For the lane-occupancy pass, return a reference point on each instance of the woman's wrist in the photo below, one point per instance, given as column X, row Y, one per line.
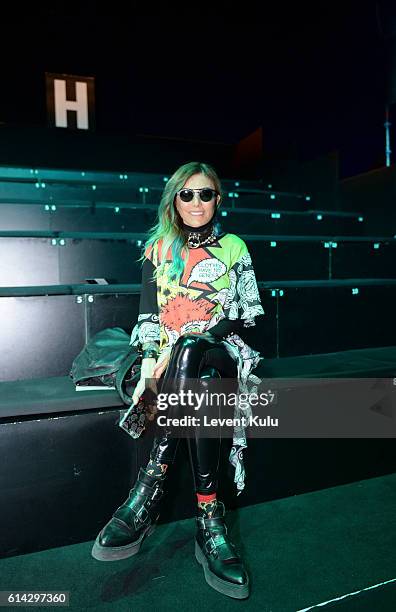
column 149, row 354
column 150, row 350
column 148, row 365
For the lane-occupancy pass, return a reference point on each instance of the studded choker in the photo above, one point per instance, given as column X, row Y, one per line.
column 199, row 236
column 194, row 239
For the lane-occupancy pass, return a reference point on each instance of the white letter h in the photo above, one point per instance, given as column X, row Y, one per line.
column 62, row 105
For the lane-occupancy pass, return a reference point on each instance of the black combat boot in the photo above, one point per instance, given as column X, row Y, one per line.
column 133, row 521
column 222, row 566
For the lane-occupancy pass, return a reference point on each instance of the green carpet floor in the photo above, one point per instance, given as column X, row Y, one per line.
column 300, row 551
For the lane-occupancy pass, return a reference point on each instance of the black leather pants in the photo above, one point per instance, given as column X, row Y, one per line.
column 194, row 356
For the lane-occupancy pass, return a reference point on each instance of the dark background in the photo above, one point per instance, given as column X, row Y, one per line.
column 316, row 78
column 169, row 86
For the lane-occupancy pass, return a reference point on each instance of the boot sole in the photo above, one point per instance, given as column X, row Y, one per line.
column 116, row 553
column 237, row 591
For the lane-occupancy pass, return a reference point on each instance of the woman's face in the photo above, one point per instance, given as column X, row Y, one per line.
column 196, row 212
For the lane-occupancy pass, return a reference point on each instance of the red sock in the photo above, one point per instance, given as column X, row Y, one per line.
column 206, row 498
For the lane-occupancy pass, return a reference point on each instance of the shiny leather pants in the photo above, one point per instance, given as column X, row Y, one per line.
column 204, row 357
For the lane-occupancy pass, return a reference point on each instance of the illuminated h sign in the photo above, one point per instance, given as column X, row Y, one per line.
column 70, row 101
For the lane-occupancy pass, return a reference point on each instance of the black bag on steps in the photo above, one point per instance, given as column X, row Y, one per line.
column 108, row 361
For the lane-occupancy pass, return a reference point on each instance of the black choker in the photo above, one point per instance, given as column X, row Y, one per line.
column 194, row 239
column 198, row 236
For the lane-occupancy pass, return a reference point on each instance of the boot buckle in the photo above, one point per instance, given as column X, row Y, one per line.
column 202, row 524
column 141, row 516
column 210, row 546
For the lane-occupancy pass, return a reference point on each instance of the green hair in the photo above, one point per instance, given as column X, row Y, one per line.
column 168, row 226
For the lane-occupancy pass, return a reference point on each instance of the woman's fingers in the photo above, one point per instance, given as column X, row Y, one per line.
column 160, row 367
column 150, row 375
column 158, row 371
column 138, row 391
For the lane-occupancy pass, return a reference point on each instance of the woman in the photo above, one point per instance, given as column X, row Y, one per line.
column 199, row 297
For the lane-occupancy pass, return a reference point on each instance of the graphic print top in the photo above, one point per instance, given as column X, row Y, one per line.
column 218, row 284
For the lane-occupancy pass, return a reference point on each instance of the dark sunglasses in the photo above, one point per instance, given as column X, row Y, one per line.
column 205, row 194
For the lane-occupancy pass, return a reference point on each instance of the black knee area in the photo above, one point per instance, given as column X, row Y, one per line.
column 189, row 339
column 188, row 354
column 193, row 343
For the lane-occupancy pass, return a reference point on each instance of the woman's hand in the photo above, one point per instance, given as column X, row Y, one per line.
column 139, row 390
column 161, row 365
column 146, row 372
